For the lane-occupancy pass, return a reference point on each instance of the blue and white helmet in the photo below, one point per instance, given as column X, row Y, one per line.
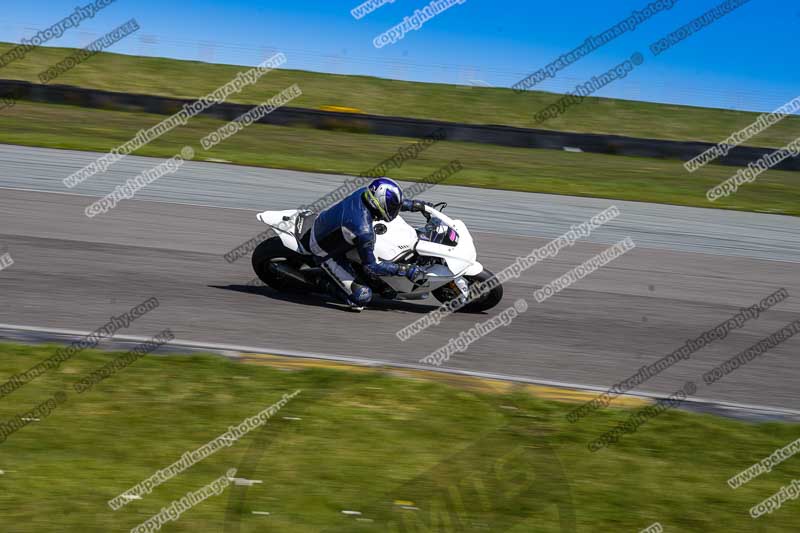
column 384, row 198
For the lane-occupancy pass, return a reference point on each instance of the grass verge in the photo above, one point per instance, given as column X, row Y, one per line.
column 474, row 105
column 487, row 166
column 409, row 451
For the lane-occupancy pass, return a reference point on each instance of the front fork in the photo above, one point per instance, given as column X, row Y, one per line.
column 462, row 286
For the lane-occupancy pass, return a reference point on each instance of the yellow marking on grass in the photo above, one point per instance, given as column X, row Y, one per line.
column 477, row 384
column 294, row 363
column 340, row 109
column 495, row 386
column 580, row 396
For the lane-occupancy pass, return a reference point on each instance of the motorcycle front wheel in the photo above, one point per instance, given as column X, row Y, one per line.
column 482, row 303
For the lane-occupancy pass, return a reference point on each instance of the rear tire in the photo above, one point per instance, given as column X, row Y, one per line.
column 270, row 251
column 483, row 303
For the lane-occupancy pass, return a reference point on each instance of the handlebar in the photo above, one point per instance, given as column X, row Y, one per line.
column 436, row 207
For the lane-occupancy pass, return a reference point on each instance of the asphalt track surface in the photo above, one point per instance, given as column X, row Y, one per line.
column 692, row 269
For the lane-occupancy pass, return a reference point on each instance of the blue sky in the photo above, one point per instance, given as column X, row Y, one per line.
column 746, row 60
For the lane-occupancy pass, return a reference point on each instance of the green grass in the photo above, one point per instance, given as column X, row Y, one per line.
column 518, row 169
column 363, row 441
column 479, row 105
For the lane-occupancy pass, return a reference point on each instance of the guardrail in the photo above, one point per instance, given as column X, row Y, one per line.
column 397, row 126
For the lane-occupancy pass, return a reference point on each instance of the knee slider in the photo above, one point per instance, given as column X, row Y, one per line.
column 361, row 295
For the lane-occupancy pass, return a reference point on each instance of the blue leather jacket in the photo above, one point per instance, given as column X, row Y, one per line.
column 347, row 225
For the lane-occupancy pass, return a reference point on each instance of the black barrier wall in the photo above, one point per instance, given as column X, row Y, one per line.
column 398, row 126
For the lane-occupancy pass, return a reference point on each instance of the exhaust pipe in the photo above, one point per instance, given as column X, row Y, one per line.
column 289, row 272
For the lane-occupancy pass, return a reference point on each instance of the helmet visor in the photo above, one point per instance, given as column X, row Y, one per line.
column 393, row 204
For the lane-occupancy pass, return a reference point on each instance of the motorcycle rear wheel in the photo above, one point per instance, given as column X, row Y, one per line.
column 272, row 251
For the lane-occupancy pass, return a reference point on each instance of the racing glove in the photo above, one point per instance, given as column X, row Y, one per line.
column 419, row 205
column 412, row 272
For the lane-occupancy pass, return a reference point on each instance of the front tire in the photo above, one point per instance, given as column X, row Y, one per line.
column 272, row 251
column 482, row 303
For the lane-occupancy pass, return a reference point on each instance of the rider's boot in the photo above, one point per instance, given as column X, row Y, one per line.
column 355, row 301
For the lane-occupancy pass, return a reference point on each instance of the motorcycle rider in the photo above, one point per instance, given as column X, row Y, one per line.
column 347, row 225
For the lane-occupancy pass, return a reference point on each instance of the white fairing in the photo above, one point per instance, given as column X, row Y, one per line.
column 460, row 257
column 399, row 239
column 284, row 228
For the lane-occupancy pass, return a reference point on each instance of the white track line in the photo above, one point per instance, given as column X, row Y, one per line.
column 226, row 349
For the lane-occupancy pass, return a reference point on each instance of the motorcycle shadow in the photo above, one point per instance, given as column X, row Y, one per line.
column 326, row 301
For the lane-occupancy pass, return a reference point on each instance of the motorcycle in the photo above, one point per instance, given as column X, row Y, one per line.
column 443, row 249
